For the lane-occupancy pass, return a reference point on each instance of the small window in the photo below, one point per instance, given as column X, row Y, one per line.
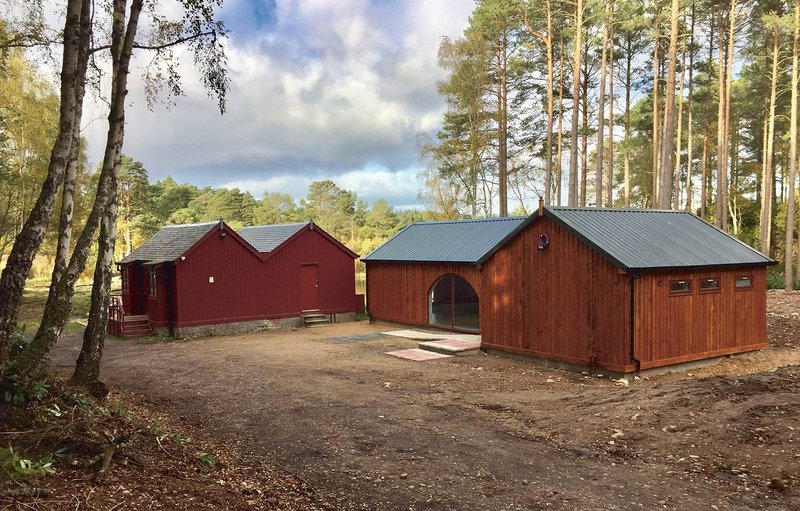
column 124, row 276
column 153, row 289
column 709, row 285
column 744, row 282
column 680, row 287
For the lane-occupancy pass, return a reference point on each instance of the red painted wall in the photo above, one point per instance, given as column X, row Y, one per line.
column 247, row 288
column 398, row 292
column 565, row 302
column 671, row 329
column 570, row 304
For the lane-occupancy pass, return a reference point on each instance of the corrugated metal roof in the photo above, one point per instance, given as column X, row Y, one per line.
column 639, row 239
column 456, row 241
column 265, row 238
column 171, row 242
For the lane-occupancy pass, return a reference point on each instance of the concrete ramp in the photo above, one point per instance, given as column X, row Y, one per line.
column 433, row 336
column 417, row 355
column 452, row 346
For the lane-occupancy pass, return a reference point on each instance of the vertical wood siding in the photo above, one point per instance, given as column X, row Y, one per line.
column 398, row 292
column 246, row 288
column 157, row 308
column 565, row 302
column 674, row 329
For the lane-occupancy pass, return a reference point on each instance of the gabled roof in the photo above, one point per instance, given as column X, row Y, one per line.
column 265, row 238
column 171, row 242
column 631, row 239
column 642, row 239
column 455, row 241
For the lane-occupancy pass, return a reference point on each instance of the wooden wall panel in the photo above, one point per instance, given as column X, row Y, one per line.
column 246, row 288
column 398, row 292
column 673, row 329
column 565, row 302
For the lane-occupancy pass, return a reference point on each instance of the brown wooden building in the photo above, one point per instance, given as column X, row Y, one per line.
column 622, row 290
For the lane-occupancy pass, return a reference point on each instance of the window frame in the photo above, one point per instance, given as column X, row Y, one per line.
column 451, row 282
column 686, row 292
column 743, row 288
column 153, row 283
column 717, row 289
column 123, row 274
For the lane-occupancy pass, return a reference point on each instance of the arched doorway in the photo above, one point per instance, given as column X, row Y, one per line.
column 453, row 303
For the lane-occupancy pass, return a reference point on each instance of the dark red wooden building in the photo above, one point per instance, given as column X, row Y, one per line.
column 208, row 278
column 622, row 290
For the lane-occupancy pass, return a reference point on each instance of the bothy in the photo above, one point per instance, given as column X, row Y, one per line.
column 622, row 290
column 208, row 278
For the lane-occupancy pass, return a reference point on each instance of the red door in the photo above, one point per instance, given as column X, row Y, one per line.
column 309, row 287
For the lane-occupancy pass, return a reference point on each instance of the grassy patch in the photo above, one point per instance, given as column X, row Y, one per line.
column 775, row 278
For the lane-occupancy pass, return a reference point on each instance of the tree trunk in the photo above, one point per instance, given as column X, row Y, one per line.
column 610, row 166
column 656, row 123
column 679, row 136
column 59, row 302
column 560, row 137
column 601, row 111
column 766, row 178
column 572, row 199
column 704, row 174
column 728, row 80
column 502, row 129
column 628, row 79
column 690, row 127
column 667, row 139
column 789, row 284
column 549, row 143
column 87, row 368
column 29, row 240
column 68, row 200
column 721, row 206
column 585, row 124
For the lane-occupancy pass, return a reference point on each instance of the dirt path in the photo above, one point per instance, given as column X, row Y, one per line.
column 369, row 431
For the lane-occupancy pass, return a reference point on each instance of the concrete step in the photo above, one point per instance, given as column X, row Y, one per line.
column 451, row 347
column 316, row 319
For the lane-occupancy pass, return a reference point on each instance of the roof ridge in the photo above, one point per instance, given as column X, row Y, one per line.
column 619, row 210
column 274, row 225
column 468, row 220
column 198, row 224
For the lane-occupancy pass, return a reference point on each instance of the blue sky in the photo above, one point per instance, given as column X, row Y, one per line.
column 321, row 89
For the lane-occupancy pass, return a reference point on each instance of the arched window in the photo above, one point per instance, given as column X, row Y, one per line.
column 454, row 304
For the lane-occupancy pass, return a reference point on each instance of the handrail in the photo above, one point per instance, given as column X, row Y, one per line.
column 116, row 316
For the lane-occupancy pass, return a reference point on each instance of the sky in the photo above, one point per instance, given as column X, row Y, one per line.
column 320, row 89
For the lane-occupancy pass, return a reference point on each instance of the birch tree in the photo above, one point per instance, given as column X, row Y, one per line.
column 29, row 240
column 201, row 33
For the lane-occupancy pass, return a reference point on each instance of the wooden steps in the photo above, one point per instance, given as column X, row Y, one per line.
column 136, row 326
column 316, row 320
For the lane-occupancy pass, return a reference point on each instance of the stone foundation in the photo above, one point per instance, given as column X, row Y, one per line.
column 342, row 317
column 245, row 327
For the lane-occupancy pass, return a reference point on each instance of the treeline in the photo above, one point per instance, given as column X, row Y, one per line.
column 144, row 208
column 678, row 104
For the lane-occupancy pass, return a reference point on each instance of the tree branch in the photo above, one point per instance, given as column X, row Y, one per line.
column 158, row 47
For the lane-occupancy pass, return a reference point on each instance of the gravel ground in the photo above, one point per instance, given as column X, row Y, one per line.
column 362, row 430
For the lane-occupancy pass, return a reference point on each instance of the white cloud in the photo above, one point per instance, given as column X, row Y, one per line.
column 320, row 89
